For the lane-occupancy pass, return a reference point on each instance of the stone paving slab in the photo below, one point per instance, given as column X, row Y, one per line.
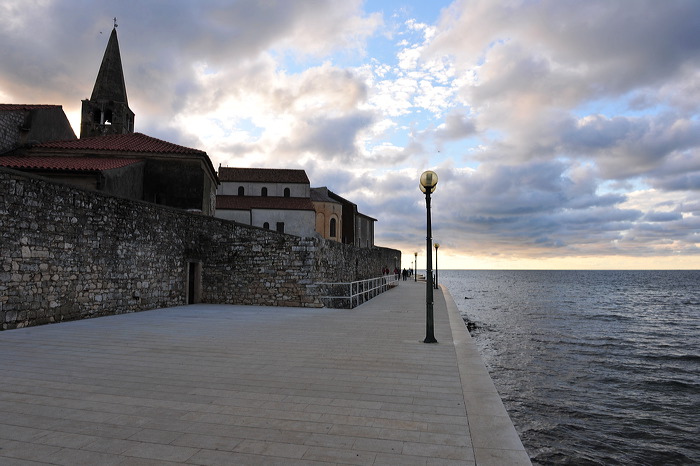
column 220, row 384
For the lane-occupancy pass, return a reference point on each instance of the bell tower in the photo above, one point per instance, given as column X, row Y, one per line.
column 107, row 111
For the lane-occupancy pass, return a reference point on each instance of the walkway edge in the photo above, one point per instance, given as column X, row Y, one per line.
column 494, row 438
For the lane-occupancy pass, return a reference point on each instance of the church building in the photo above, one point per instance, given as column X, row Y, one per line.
column 109, row 156
column 271, row 198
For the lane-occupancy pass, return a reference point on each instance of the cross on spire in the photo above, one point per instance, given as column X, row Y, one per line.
column 115, row 22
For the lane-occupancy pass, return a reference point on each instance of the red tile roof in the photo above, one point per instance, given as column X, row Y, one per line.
column 134, row 142
column 263, row 175
column 88, row 164
column 14, row 107
column 259, row 202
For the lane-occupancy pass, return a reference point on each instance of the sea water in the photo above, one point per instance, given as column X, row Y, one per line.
column 594, row 367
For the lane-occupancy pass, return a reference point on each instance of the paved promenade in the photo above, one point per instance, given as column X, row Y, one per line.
column 238, row 385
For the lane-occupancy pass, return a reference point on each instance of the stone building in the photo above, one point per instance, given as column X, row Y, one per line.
column 109, row 156
column 282, row 200
column 357, row 228
column 135, row 165
column 22, row 125
column 329, row 214
column 270, row 198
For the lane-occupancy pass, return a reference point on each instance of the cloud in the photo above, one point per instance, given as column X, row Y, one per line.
column 457, row 126
column 558, row 128
column 635, row 146
column 330, row 138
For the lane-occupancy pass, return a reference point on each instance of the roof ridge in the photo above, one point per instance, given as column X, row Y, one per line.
column 27, row 106
column 70, row 163
column 263, row 175
column 130, row 142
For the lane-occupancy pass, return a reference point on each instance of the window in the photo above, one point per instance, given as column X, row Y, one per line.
column 241, row 191
column 280, row 227
column 287, row 193
column 333, row 227
column 263, row 192
column 266, row 225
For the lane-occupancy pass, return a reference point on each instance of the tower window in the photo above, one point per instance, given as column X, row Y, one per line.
column 333, row 228
column 287, row 192
column 241, row 191
column 263, row 192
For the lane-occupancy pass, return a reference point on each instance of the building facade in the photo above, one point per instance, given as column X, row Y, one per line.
column 357, row 228
column 329, row 214
column 274, row 199
column 22, row 125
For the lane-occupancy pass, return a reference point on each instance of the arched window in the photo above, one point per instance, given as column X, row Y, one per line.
column 266, row 225
column 333, row 228
column 241, row 191
column 287, row 192
column 263, row 192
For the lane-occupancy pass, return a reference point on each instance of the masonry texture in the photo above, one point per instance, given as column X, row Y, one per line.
column 70, row 254
column 10, row 124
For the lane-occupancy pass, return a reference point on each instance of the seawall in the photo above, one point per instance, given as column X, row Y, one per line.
column 69, row 253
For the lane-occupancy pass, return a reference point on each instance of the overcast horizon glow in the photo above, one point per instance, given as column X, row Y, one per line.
column 565, row 134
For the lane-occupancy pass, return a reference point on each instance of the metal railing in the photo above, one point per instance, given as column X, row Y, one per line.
column 349, row 295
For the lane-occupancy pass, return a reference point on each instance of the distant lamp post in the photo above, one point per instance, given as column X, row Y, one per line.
column 437, row 245
column 415, row 267
column 428, row 181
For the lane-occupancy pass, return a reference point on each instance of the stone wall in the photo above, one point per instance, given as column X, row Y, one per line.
column 69, row 254
column 10, row 123
column 32, row 123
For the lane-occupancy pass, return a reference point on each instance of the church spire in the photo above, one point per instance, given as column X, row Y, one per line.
column 107, row 111
column 110, row 83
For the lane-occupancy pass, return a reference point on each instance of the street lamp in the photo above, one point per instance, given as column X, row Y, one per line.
column 428, row 181
column 415, row 267
column 437, row 245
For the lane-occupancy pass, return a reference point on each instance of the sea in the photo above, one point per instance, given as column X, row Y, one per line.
column 594, row 367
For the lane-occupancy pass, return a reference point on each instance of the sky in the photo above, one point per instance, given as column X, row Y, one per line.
column 565, row 134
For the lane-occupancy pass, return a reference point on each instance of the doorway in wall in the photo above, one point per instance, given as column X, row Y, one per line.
column 194, row 282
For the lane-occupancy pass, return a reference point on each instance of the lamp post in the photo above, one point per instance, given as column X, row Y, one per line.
column 437, row 245
column 415, row 267
column 428, row 181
